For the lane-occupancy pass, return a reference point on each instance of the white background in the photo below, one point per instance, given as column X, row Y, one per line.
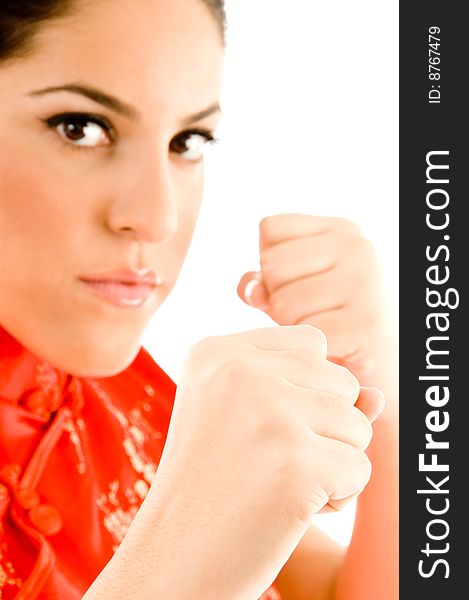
column 310, row 125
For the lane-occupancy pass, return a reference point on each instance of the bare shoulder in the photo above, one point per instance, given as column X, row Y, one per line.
column 310, row 572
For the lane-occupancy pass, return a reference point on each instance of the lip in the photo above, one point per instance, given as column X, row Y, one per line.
column 126, row 288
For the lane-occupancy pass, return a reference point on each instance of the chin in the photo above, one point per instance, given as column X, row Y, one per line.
column 82, row 347
column 103, row 364
column 91, row 358
column 100, row 349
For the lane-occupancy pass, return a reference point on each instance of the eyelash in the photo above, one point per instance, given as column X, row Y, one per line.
column 84, row 118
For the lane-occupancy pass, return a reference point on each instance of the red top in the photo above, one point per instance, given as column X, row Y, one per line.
column 77, row 457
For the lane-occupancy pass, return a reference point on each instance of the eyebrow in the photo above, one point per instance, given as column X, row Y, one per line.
column 117, row 105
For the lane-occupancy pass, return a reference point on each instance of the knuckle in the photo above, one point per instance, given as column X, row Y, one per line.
column 201, row 356
column 198, row 352
column 350, row 459
column 279, row 309
column 355, row 461
column 276, row 304
column 365, row 469
column 265, row 220
column 265, row 260
column 347, row 224
column 317, row 336
column 354, row 384
column 283, row 441
column 350, row 382
column 232, row 369
column 333, row 406
column 303, row 362
column 265, row 428
column 217, row 358
column 362, row 248
column 290, row 466
column 358, row 428
column 267, row 223
column 265, row 266
column 271, row 278
column 363, row 429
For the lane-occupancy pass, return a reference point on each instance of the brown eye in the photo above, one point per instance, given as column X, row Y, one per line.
column 81, row 130
column 73, row 131
column 191, row 144
column 89, row 134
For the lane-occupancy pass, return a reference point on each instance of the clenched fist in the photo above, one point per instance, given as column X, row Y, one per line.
column 265, row 432
column 324, row 272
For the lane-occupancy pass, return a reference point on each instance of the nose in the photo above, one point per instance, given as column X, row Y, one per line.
column 144, row 207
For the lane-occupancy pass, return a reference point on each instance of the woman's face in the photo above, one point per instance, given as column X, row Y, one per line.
column 93, row 186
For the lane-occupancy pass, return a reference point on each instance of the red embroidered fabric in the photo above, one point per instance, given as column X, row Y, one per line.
column 77, row 457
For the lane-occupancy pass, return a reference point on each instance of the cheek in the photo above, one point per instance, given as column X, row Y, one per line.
column 35, row 219
column 23, row 198
column 189, row 208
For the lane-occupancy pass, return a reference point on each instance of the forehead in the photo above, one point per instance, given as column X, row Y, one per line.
column 151, row 53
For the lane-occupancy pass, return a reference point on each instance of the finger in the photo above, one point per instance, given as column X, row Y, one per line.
column 371, row 402
column 279, row 228
column 305, row 298
column 251, row 290
column 331, row 416
column 346, row 329
column 302, row 338
column 290, row 260
column 315, row 375
column 341, row 470
column 337, row 505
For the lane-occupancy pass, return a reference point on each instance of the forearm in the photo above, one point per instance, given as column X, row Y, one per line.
column 136, row 571
column 370, row 567
column 158, row 559
column 172, row 550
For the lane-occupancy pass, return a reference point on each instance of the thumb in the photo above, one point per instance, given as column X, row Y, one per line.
column 370, row 402
column 252, row 290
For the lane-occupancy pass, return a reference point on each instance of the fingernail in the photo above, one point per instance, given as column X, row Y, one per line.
column 249, row 290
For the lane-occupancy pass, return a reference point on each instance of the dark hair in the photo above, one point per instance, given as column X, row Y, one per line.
column 20, row 21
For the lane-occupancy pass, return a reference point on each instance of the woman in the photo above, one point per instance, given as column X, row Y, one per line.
column 111, row 480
